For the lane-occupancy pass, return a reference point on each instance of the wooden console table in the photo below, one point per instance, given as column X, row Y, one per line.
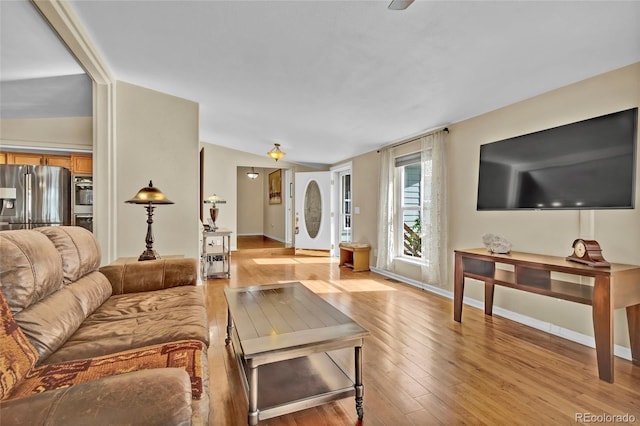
column 615, row 287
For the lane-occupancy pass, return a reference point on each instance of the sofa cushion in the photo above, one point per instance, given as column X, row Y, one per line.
column 139, row 398
column 30, row 268
column 78, row 248
column 186, row 355
column 17, row 356
column 136, row 320
column 150, row 275
column 51, row 321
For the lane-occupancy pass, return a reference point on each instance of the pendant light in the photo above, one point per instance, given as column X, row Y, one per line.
column 252, row 174
column 275, row 153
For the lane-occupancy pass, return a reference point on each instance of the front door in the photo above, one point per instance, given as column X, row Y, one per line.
column 313, row 211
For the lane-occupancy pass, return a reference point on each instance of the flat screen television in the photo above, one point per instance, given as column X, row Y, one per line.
column 589, row 164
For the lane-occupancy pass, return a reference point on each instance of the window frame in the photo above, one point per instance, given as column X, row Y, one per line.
column 345, row 199
column 401, row 207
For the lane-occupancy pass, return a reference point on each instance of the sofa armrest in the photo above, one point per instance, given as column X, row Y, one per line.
column 134, row 277
column 148, row 397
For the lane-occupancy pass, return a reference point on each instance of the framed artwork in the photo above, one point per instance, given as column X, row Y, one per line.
column 275, row 187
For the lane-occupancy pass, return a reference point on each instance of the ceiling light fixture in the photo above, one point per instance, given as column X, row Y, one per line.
column 275, row 153
column 400, row 4
column 252, row 174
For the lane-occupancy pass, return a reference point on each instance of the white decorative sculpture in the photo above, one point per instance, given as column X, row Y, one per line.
column 496, row 244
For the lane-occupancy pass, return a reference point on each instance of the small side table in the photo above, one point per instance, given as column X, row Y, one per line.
column 208, row 259
column 354, row 256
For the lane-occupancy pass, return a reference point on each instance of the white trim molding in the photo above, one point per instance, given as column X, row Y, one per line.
column 342, row 167
column 67, row 25
column 574, row 336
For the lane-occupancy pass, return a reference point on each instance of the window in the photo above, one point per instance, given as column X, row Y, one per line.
column 345, row 207
column 412, row 219
column 409, row 212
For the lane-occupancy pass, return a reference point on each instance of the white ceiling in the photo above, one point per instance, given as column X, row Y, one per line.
column 30, row 49
column 333, row 79
column 39, row 77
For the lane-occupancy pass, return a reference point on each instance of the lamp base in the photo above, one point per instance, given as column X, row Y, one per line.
column 213, row 212
column 149, row 255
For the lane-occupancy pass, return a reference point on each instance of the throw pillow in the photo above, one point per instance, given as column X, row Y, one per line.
column 17, row 356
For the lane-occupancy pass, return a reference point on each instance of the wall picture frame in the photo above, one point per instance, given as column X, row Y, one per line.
column 275, row 187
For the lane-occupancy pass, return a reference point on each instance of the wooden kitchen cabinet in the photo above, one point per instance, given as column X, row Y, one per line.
column 27, row 158
column 82, row 164
column 58, row 160
column 79, row 164
column 35, row 159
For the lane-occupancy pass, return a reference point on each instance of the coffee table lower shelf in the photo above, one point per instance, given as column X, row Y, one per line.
column 288, row 343
column 297, row 384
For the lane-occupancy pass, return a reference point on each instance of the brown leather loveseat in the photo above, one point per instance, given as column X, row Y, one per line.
column 123, row 344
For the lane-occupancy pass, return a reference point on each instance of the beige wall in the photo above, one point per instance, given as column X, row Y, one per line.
column 548, row 232
column 63, row 133
column 251, row 195
column 157, row 138
column 364, row 174
column 274, row 214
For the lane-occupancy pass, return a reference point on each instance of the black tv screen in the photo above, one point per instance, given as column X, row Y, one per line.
column 589, row 164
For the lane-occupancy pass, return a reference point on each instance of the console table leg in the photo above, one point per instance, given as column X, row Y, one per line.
column 229, row 328
column 488, row 298
column 458, row 289
column 633, row 320
column 358, row 385
column 253, row 396
column 603, row 327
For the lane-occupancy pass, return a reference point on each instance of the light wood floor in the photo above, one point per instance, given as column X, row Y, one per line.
column 420, row 366
column 249, row 242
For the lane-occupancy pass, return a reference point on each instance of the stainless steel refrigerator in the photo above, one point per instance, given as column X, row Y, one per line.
column 34, row 196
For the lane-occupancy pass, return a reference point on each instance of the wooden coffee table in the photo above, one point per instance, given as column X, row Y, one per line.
column 281, row 335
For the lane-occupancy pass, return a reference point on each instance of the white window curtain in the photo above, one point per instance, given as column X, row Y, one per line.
column 433, row 212
column 386, row 227
column 434, row 204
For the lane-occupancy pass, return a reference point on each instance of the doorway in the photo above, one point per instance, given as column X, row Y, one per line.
column 314, row 205
column 263, row 212
column 324, row 209
column 343, row 198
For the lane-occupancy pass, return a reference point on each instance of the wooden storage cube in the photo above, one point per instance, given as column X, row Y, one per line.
column 355, row 256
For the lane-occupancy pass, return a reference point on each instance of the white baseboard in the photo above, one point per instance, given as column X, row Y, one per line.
column 259, row 234
column 565, row 333
column 433, row 289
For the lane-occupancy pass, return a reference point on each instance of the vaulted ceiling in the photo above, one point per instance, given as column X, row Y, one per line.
column 333, row 79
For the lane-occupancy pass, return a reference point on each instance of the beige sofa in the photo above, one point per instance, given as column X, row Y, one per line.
column 124, row 344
